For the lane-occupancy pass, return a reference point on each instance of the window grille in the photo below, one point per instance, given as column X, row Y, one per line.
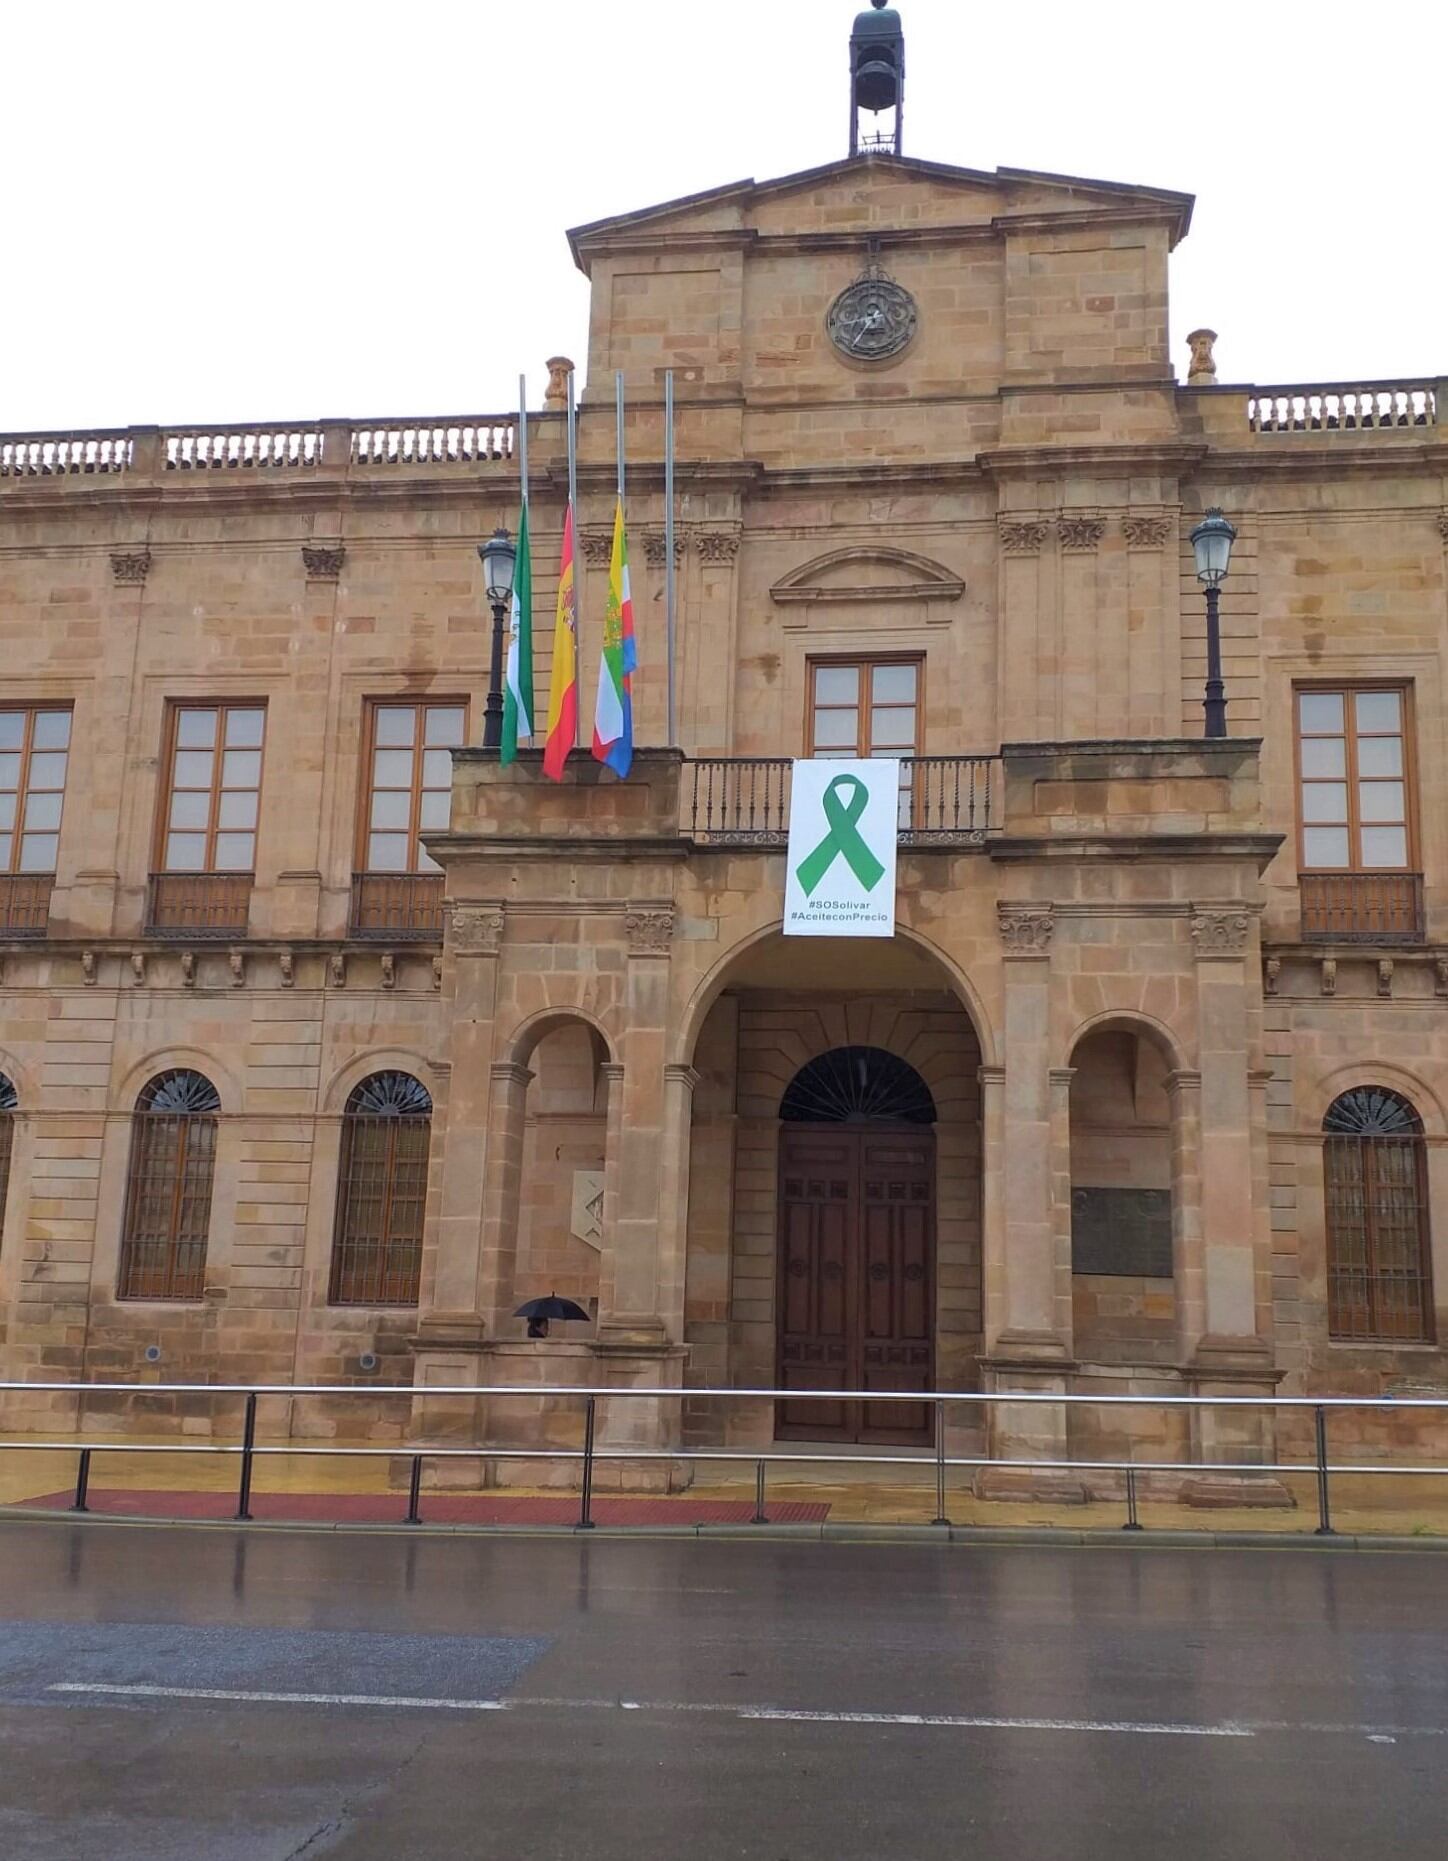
column 1375, row 1169
column 168, row 1188
column 382, row 1192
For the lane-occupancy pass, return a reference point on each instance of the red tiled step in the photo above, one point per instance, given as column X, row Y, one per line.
column 437, row 1508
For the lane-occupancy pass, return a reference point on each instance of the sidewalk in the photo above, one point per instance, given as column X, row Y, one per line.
column 1397, row 1505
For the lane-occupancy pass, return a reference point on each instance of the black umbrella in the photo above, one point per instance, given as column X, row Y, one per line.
column 539, row 1311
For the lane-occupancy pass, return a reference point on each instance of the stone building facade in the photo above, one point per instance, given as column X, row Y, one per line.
column 313, row 1076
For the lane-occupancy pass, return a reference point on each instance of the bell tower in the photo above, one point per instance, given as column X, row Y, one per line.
column 877, row 79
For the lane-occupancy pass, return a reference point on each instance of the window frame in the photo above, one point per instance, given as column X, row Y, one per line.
column 371, row 709
column 149, row 1128
column 865, row 663
column 221, row 706
column 1372, row 1179
column 31, row 708
column 360, row 1270
column 1349, row 689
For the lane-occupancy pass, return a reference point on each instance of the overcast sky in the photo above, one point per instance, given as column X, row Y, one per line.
column 294, row 208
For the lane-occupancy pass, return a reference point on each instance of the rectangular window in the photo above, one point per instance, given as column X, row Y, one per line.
column 1354, row 764
column 408, row 781
column 34, row 751
column 213, row 788
column 867, row 707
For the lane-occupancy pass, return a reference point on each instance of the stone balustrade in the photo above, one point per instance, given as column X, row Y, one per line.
column 267, row 448
column 1369, row 406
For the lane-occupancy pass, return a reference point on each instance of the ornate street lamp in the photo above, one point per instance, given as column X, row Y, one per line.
column 1212, row 542
column 498, row 557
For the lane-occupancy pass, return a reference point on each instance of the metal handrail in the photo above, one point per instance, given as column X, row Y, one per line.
column 248, row 1450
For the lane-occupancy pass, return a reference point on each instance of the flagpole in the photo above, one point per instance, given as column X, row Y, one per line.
column 523, row 433
column 573, row 509
column 618, row 399
column 669, row 577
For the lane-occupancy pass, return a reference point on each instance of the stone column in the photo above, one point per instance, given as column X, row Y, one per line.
column 674, row 1160
column 1027, row 1344
column 502, row 1191
column 1230, row 1356
column 646, row 1185
column 452, row 1327
column 634, row 1314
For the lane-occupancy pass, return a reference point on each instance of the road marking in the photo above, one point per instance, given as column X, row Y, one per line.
column 998, row 1725
column 276, row 1699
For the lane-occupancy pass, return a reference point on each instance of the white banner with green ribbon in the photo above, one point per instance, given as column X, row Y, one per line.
column 844, row 821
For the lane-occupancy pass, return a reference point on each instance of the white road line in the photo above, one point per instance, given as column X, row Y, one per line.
column 275, row 1699
column 998, row 1725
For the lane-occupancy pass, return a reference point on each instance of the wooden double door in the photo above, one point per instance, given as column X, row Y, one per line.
column 855, row 1306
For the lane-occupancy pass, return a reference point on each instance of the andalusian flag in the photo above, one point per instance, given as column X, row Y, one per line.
column 518, row 680
column 613, row 717
column 563, row 690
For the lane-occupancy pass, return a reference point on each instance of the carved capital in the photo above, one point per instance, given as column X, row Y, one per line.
column 1080, row 534
column 389, row 970
column 1443, row 525
column 236, row 960
column 1329, row 975
column 597, row 546
column 1026, row 930
column 88, row 968
column 1146, row 532
column 476, row 930
column 650, row 932
column 718, row 546
column 188, row 969
column 337, row 969
column 288, row 968
column 1385, row 977
column 130, row 566
column 138, row 968
column 656, row 551
column 323, row 561
column 1022, row 536
column 1271, row 971
column 1222, row 932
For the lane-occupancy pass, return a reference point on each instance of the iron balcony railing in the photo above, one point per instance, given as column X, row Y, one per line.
column 1362, row 907
column 945, row 801
column 586, row 1456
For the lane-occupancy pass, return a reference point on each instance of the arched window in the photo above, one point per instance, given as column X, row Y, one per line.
column 381, row 1192
column 168, row 1188
column 1378, row 1284
column 857, row 1085
column 9, row 1100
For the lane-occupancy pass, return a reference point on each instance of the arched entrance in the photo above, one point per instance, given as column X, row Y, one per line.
column 856, row 1246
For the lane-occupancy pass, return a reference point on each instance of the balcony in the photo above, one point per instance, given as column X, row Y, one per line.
column 1362, row 907
column 198, row 904
column 397, row 906
column 25, row 903
column 744, row 801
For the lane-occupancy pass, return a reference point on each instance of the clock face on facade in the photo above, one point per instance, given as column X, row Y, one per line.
column 873, row 319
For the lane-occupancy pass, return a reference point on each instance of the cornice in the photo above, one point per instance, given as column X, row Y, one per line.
column 1130, row 455
column 1012, row 849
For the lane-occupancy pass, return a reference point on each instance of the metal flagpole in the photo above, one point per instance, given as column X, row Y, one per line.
column 618, row 397
column 577, row 578
column 523, row 433
column 669, row 578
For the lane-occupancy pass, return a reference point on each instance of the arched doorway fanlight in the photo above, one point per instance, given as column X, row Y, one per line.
column 857, row 1085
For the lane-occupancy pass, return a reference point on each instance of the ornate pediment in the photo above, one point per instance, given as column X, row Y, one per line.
column 865, row 573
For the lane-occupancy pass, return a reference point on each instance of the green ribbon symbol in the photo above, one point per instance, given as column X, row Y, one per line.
column 843, row 841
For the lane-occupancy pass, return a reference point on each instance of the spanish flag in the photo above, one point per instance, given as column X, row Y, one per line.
column 563, row 689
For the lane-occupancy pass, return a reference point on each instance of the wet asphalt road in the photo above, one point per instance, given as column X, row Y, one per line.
column 210, row 1695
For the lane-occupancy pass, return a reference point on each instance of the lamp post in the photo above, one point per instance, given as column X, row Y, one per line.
column 498, row 557
column 1212, row 542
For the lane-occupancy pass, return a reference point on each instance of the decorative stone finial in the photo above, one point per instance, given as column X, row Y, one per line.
column 1203, row 370
column 559, row 369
